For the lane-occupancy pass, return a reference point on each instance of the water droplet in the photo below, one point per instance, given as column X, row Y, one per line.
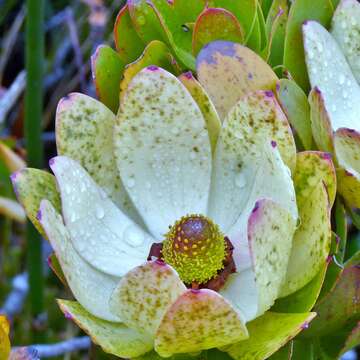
column 148, row 185
column 133, row 236
column 240, row 180
column 131, row 183
column 333, row 107
column 99, row 212
column 341, row 79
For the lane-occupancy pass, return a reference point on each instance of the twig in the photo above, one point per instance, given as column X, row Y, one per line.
column 14, row 302
column 12, row 94
column 76, row 46
column 9, row 40
column 61, row 348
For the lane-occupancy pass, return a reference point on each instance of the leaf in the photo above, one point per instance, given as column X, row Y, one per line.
column 113, row 338
column 215, row 24
column 276, row 25
column 237, row 68
column 128, row 43
column 155, row 53
column 339, row 307
column 246, row 13
column 305, row 298
column 297, row 109
column 268, row 333
column 107, row 70
column 300, row 11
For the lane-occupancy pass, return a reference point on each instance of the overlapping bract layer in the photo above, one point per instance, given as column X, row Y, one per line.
column 176, row 156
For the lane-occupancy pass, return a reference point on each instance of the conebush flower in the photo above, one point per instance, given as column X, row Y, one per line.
column 187, row 221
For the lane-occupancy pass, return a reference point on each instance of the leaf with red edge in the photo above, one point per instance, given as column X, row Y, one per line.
column 340, row 306
column 107, row 70
column 156, row 53
column 215, row 24
column 127, row 41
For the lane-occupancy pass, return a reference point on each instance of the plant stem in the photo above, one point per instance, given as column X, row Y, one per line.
column 32, row 131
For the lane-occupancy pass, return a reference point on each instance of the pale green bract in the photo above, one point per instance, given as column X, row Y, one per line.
column 123, row 180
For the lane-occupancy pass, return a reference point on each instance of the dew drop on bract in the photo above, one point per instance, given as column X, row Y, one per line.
column 133, row 236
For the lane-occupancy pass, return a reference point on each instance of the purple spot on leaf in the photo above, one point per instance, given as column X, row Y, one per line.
column 256, row 207
column 273, row 143
column 188, row 75
column 305, row 325
column 326, row 156
column 269, row 93
column 160, row 262
column 207, row 54
column 277, row 86
column 195, row 291
column 52, row 161
column 68, row 315
column 250, row 76
column 39, row 215
column 153, row 68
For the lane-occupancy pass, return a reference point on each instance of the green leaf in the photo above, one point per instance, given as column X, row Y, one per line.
column 216, row 24
column 300, row 11
column 303, row 350
column 156, row 53
column 246, row 13
column 284, row 353
column 304, row 299
column 276, row 25
column 340, row 228
column 107, row 69
column 127, row 41
column 297, row 109
column 339, row 307
column 268, row 333
column 114, row 338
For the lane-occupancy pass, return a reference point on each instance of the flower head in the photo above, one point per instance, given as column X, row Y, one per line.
column 242, row 219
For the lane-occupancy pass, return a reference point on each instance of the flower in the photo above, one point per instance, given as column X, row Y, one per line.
column 169, row 168
column 334, row 70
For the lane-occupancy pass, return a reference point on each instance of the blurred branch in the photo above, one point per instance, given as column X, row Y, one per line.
column 9, row 41
column 51, row 350
column 10, row 97
column 15, row 301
